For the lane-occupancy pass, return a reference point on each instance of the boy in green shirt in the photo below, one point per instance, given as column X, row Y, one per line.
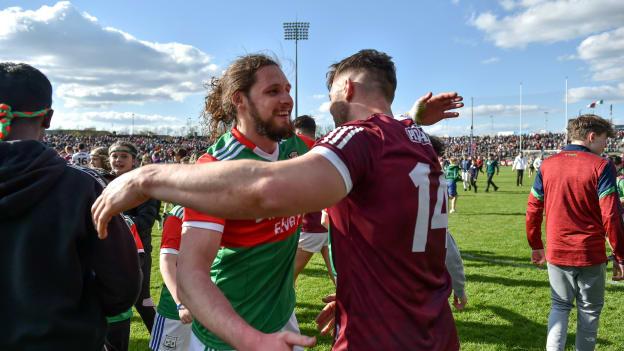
column 451, row 173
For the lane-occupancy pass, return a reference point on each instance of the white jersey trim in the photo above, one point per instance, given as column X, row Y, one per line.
column 204, row 225
column 337, row 162
column 267, row 156
column 348, row 137
column 168, row 251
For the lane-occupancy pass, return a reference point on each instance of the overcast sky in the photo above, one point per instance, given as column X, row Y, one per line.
column 110, row 60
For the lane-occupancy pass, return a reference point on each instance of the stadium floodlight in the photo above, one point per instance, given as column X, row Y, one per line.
column 296, row 31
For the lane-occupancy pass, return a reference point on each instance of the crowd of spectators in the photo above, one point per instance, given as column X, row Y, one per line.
column 162, row 149
column 507, row 146
column 152, row 148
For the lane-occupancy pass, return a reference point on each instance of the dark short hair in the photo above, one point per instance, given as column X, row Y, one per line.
column 378, row 66
column 24, row 87
column 617, row 160
column 579, row 127
column 81, row 146
column 306, row 124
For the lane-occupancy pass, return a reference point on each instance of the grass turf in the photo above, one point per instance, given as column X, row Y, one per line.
column 508, row 298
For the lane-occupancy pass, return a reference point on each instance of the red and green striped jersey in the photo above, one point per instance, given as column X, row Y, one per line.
column 254, row 266
column 170, row 245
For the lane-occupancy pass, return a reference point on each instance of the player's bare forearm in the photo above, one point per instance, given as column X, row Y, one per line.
column 203, row 298
column 247, row 189
column 242, row 189
column 168, row 269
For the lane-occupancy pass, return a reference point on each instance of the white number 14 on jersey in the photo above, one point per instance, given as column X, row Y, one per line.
column 420, row 177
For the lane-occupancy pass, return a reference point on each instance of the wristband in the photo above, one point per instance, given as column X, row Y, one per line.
column 180, row 307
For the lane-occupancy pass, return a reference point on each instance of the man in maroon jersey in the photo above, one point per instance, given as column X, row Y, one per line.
column 385, row 189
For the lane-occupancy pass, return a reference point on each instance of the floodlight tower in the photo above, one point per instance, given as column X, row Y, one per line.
column 296, row 31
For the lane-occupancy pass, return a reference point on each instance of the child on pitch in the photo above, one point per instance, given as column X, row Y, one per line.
column 123, row 159
column 172, row 328
column 451, row 173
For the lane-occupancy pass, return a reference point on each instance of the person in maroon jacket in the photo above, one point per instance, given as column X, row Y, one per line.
column 577, row 189
column 387, row 198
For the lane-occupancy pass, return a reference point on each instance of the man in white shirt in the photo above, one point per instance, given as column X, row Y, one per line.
column 82, row 157
column 519, row 165
column 537, row 163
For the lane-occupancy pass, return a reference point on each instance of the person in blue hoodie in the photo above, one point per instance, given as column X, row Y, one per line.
column 61, row 280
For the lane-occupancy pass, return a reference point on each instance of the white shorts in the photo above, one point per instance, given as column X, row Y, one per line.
column 465, row 176
column 291, row 325
column 313, row 242
column 169, row 335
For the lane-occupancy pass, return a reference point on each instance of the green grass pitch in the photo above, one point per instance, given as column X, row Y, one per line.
column 508, row 298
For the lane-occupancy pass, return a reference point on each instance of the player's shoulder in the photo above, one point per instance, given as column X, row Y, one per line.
column 346, row 131
column 128, row 220
column 225, row 146
column 86, row 174
column 177, row 211
column 295, row 145
column 205, row 158
column 307, row 140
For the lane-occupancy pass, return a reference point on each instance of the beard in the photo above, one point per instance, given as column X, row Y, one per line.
column 340, row 112
column 268, row 128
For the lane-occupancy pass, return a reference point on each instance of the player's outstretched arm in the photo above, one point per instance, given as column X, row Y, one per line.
column 208, row 304
column 241, row 189
column 430, row 109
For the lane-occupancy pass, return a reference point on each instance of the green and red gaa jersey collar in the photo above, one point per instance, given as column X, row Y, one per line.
column 250, row 144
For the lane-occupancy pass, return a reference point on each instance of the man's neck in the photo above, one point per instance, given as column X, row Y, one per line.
column 361, row 111
column 580, row 142
column 24, row 134
column 249, row 131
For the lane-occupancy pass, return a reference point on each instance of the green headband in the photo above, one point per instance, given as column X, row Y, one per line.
column 122, row 149
column 7, row 115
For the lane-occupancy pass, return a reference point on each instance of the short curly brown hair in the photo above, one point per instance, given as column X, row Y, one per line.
column 578, row 128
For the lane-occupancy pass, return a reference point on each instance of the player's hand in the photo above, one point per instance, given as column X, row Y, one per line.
column 326, row 320
column 185, row 316
column 460, row 302
column 284, row 341
column 430, row 109
column 538, row 258
column 121, row 194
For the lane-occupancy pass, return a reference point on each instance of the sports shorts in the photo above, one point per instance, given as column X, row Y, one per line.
column 313, row 242
column 452, row 189
column 169, row 335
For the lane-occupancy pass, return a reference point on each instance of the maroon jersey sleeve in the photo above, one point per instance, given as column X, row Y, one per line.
column 352, row 149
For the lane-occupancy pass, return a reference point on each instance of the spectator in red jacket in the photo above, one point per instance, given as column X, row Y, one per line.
column 577, row 188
